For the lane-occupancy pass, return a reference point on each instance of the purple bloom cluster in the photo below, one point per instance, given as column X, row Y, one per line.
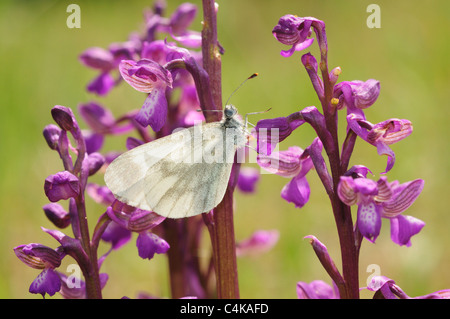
column 152, row 65
column 172, row 75
column 355, row 96
column 375, row 199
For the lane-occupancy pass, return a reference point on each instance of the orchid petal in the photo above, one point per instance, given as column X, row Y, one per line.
column 154, row 110
column 403, row 228
column 369, row 220
column 297, row 191
column 403, row 197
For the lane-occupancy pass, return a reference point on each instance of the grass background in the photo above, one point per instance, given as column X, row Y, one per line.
column 408, row 55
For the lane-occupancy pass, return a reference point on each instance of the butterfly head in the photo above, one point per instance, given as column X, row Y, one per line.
column 230, row 111
column 229, row 117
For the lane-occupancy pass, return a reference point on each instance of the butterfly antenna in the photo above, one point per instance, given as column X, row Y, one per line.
column 250, row 77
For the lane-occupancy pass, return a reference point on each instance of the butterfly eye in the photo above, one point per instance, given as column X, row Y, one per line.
column 229, row 111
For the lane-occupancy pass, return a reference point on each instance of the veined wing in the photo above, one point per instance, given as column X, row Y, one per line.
column 170, row 175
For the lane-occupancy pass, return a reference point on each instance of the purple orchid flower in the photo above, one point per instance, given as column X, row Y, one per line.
column 104, row 61
column 293, row 163
column 101, row 121
column 247, row 180
column 149, row 77
column 116, row 235
column 140, row 221
column 316, row 289
column 38, row 256
column 127, row 219
column 270, row 132
column 259, row 242
column 179, row 23
column 98, row 58
column 356, row 95
column 295, row 31
column 381, row 135
column 381, row 199
column 149, row 244
column 385, row 288
column 156, row 51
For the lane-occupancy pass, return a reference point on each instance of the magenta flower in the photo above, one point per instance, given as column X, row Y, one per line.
column 385, row 288
column 156, row 51
column 149, row 77
column 356, row 95
column 316, row 289
column 178, row 25
column 98, row 58
column 116, row 235
column 259, row 242
column 270, row 132
column 381, row 135
column 100, row 119
column 381, row 199
column 135, row 220
column 38, row 256
column 293, row 163
column 95, row 162
column 100, row 194
column 102, row 84
column 104, row 61
column 295, row 31
column 149, row 244
column 248, row 178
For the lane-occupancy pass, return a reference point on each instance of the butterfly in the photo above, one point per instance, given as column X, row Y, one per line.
column 183, row 174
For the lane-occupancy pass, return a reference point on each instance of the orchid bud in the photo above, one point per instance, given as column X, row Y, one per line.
column 62, row 185
column 248, row 177
column 96, row 161
column 63, row 116
column 57, row 215
column 51, row 134
column 97, row 58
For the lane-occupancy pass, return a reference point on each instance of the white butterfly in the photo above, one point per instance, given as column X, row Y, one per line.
column 183, row 174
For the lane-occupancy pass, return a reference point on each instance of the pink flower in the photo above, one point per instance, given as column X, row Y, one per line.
column 149, row 77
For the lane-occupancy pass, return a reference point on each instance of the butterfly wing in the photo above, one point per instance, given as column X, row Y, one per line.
column 169, row 175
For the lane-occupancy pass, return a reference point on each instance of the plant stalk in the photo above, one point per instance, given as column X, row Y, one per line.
column 222, row 234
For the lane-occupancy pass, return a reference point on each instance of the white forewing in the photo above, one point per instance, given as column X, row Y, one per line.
column 174, row 175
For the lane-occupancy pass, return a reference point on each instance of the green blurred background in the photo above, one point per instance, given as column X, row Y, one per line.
column 408, row 55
